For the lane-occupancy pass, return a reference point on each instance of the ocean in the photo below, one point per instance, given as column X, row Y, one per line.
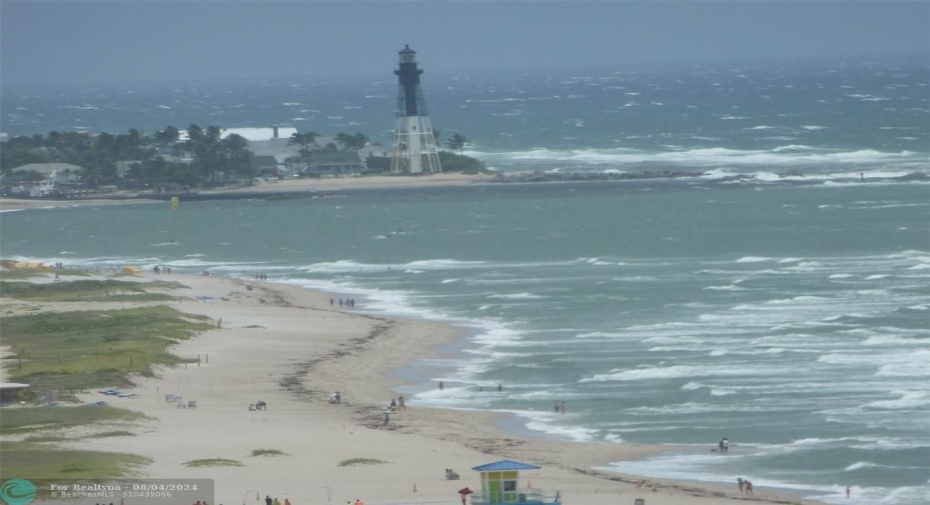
column 787, row 310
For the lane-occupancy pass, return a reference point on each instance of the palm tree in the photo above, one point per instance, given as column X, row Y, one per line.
column 352, row 142
column 204, row 145
column 168, row 137
column 457, row 142
column 305, row 140
column 236, row 157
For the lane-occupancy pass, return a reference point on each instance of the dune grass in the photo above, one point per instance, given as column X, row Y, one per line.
column 87, row 290
column 41, row 462
column 212, row 462
column 42, row 456
column 111, row 433
column 74, row 350
column 89, row 349
column 360, row 461
column 267, row 452
column 22, row 274
column 16, row 421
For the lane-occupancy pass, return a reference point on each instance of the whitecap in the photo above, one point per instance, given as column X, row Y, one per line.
column 728, row 287
column 517, row 296
column 859, row 464
column 753, row 259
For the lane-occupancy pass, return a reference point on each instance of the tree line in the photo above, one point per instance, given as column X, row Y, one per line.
column 203, row 158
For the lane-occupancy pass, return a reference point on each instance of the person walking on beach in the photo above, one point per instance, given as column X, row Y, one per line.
column 401, row 403
column 441, row 386
column 748, row 486
column 741, row 483
column 268, row 500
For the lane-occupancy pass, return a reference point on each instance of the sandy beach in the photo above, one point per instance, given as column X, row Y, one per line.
column 285, row 186
column 291, row 348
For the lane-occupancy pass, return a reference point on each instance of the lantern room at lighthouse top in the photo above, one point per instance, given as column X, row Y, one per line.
column 407, row 55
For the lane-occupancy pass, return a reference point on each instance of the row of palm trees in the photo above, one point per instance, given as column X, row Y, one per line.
column 351, row 142
column 357, row 141
column 210, row 158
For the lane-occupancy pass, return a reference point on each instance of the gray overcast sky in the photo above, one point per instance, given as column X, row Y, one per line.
column 99, row 41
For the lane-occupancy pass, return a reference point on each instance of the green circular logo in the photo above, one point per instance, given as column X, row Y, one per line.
column 17, row 492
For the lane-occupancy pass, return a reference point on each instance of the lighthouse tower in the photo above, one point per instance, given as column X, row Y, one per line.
column 415, row 149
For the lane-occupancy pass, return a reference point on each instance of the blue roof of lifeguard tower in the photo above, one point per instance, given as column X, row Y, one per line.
column 505, row 465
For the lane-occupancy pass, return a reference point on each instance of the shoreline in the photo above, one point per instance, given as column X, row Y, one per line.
column 284, row 344
column 284, row 189
column 329, row 187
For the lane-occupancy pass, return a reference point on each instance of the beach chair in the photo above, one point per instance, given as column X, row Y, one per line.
column 192, row 404
column 181, row 405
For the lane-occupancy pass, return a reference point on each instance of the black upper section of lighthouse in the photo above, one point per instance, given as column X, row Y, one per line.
column 408, row 76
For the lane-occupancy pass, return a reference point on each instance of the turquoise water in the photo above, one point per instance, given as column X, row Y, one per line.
column 789, row 312
column 791, row 319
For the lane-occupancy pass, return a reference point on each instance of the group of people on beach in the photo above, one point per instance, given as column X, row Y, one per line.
column 274, row 501
column 559, row 407
column 745, row 486
column 400, row 403
column 348, row 303
column 723, row 445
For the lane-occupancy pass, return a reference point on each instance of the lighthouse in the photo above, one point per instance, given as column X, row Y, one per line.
column 415, row 149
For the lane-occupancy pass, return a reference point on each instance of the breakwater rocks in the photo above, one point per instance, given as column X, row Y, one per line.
column 599, row 176
column 790, row 175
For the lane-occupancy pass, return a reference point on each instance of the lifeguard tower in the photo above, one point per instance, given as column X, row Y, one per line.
column 500, row 484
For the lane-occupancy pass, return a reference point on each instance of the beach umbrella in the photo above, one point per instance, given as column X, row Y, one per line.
column 465, row 491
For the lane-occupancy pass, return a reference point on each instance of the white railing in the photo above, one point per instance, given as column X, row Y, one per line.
column 528, row 495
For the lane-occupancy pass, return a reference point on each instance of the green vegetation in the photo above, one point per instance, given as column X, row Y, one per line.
column 67, row 351
column 90, row 349
column 212, row 462
column 40, row 456
column 40, row 462
column 87, row 291
column 360, row 461
column 21, row 274
column 267, row 452
column 15, row 421
column 458, row 163
column 214, row 159
column 162, row 159
column 113, row 433
column 457, row 142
